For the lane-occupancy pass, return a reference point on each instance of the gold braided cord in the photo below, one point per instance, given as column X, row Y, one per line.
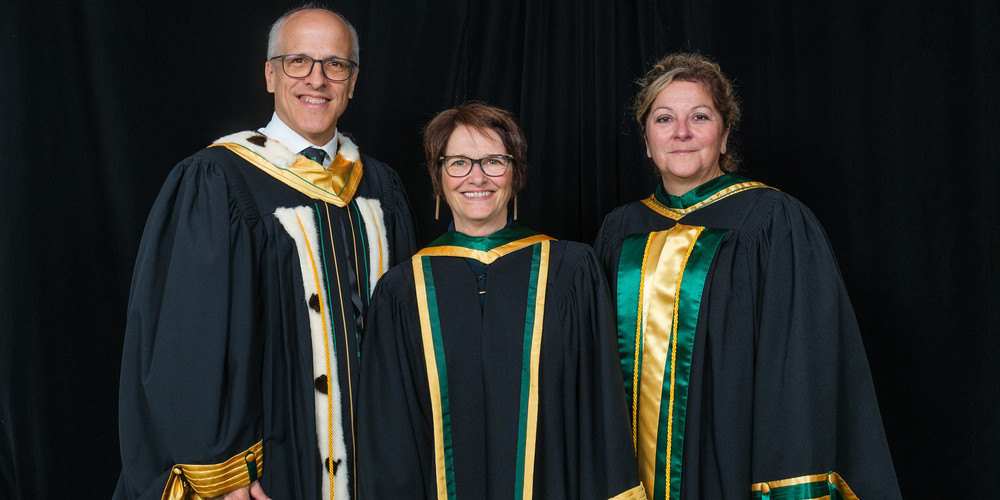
column 326, row 345
column 673, row 358
column 638, row 348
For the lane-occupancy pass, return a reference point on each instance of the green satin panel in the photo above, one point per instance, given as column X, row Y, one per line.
column 661, row 278
column 629, row 301
column 688, row 305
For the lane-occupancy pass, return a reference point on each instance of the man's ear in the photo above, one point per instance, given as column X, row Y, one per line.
column 350, row 86
column 269, row 76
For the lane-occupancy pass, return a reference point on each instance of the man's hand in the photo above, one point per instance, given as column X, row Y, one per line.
column 253, row 491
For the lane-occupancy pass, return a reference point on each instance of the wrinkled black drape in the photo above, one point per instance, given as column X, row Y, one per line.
column 880, row 116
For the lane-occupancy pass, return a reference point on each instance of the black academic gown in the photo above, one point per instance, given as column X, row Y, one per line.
column 779, row 384
column 218, row 354
column 582, row 447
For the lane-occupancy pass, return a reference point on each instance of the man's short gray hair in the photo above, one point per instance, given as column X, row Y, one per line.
column 272, row 36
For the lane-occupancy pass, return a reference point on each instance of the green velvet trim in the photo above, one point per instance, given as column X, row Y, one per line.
column 498, row 239
column 698, row 194
column 529, row 331
column 442, row 369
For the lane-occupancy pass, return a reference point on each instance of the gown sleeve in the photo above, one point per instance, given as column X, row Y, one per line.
column 814, row 405
column 592, row 425
column 608, row 237
column 391, row 462
column 400, row 223
column 191, row 366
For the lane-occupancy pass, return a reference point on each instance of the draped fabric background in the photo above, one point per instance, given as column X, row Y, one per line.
column 881, row 116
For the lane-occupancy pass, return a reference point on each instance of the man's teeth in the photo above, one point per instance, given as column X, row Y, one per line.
column 477, row 194
column 313, row 100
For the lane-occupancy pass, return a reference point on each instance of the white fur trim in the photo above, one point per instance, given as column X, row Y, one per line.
column 300, row 224
column 272, row 150
column 378, row 243
column 348, row 150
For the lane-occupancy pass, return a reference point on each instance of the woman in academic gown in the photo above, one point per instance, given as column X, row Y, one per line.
column 488, row 365
column 741, row 356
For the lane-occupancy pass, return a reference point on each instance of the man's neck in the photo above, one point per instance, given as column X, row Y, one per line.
column 278, row 130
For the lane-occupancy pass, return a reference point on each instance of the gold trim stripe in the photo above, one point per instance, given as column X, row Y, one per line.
column 770, row 485
column 486, row 257
column 536, row 349
column 678, row 213
column 637, row 493
column 842, row 487
column 426, row 335
column 195, row 482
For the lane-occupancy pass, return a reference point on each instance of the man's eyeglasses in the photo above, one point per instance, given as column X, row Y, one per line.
column 460, row 166
column 301, row 65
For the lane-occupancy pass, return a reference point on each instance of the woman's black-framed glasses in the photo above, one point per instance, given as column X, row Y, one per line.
column 491, row 165
column 301, row 65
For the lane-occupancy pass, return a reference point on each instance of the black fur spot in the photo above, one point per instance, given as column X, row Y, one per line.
column 314, row 302
column 321, row 383
column 257, row 139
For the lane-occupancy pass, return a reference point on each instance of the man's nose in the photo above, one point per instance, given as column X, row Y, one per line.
column 316, row 78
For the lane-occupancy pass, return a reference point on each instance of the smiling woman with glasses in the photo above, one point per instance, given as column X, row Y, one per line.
column 488, row 361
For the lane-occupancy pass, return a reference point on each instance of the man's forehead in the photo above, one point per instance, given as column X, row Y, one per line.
column 317, row 30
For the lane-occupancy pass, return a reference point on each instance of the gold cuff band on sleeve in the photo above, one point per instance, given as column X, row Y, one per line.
column 637, row 493
column 195, row 482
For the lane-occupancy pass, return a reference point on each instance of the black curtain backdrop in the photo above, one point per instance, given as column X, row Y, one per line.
column 881, row 116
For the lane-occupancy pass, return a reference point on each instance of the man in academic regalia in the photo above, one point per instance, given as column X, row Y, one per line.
column 240, row 363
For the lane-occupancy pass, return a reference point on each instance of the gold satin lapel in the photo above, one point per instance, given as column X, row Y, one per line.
column 335, row 185
column 654, row 353
column 667, row 252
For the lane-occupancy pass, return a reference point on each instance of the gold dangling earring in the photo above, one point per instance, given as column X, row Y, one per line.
column 515, row 207
column 437, row 206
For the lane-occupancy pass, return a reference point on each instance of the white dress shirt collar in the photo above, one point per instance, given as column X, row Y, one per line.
column 279, row 131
